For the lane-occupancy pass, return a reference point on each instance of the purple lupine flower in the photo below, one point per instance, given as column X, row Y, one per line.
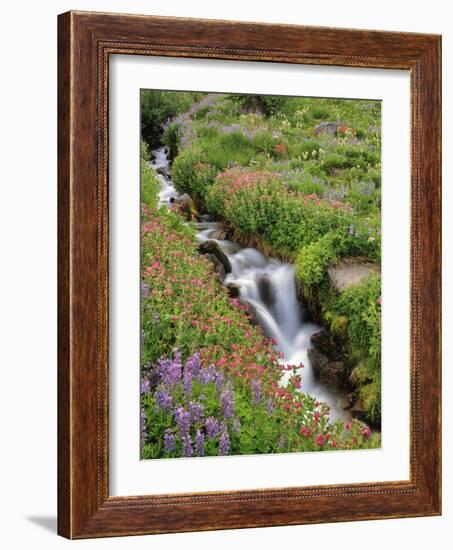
column 227, row 402
column 196, row 411
column 270, row 406
column 169, row 441
column 170, row 369
column 236, row 425
column 143, row 433
column 281, row 442
column 199, row 443
column 187, row 446
column 257, row 391
column 144, row 289
column 187, row 382
column 182, row 418
column 231, row 128
column 224, row 444
column 163, row 400
column 156, row 318
column 163, row 368
column 145, row 385
column 219, row 379
column 212, row 427
column 207, row 374
column 193, row 364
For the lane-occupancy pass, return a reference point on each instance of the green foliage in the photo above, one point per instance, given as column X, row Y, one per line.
column 360, row 305
column 308, row 149
column 192, row 174
column 157, row 107
column 320, row 113
column 314, row 258
column 144, row 150
column 170, row 138
column 232, row 148
column 265, row 104
column 149, row 185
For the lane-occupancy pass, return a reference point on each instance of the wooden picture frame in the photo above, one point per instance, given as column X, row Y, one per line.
column 85, row 42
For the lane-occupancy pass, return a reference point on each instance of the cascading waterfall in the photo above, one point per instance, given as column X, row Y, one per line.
column 268, row 286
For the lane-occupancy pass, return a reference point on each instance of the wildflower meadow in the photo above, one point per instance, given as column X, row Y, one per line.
column 279, row 180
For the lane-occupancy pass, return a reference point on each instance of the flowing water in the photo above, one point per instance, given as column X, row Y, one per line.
column 268, row 286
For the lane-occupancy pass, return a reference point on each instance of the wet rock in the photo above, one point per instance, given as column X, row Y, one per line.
column 266, row 290
column 234, row 290
column 187, row 206
column 350, row 271
column 357, row 407
column 212, row 247
column 183, row 200
column 220, row 235
column 330, row 373
column 204, row 226
column 308, row 296
column 327, row 360
column 219, row 269
column 329, row 128
column 346, row 402
column 164, row 171
column 324, row 342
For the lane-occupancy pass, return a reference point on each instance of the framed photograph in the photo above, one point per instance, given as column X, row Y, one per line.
column 249, row 275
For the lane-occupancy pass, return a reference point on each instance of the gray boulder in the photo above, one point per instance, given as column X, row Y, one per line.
column 220, row 235
column 330, row 373
column 324, row 342
column 218, row 266
column 350, row 271
column 164, row 171
column 187, row 206
column 329, row 128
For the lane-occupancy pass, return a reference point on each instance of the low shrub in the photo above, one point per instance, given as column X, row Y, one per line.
column 320, row 113
column 192, row 174
column 265, row 104
column 157, row 107
column 149, row 185
column 360, row 304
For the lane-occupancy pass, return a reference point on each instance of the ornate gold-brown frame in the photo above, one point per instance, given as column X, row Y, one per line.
column 85, row 41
